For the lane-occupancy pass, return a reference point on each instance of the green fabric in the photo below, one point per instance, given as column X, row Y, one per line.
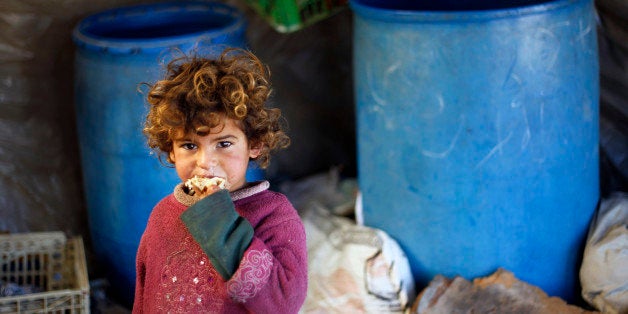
column 221, row 232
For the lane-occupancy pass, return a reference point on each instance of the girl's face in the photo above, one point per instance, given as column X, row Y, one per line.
column 224, row 153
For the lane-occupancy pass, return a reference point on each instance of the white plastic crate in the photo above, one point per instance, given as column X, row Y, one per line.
column 50, row 265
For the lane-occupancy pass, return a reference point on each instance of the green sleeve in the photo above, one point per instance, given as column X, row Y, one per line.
column 221, row 232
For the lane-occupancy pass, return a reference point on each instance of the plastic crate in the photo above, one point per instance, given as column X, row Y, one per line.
column 50, row 266
column 291, row 15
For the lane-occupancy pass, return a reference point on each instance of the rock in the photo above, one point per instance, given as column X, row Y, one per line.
column 499, row 293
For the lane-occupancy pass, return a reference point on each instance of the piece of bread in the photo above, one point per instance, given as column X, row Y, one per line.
column 204, row 186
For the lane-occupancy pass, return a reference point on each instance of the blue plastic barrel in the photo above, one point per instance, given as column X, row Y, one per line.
column 117, row 50
column 477, row 131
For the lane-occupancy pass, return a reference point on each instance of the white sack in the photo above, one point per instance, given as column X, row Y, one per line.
column 604, row 271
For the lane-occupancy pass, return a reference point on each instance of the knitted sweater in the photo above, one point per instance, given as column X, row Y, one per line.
column 219, row 256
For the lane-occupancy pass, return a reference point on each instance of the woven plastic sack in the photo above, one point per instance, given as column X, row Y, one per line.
column 354, row 269
column 604, row 271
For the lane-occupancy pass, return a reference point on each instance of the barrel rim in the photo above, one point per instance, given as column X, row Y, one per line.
column 454, row 16
column 88, row 41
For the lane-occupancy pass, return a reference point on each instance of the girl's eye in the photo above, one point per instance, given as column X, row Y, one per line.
column 188, row 146
column 224, row 144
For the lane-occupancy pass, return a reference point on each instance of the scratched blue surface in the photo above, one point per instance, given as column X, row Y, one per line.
column 477, row 135
column 116, row 51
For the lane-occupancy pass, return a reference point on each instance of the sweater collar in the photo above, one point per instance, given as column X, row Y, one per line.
column 249, row 189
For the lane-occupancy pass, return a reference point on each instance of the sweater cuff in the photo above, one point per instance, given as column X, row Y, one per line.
column 222, row 234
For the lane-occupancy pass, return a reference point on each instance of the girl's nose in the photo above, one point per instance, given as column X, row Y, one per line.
column 206, row 159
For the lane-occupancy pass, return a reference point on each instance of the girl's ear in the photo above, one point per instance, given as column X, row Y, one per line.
column 255, row 150
column 171, row 156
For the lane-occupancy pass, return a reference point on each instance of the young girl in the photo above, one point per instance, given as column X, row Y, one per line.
column 234, row 250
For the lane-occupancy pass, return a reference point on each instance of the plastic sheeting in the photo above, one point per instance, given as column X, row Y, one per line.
column 313, row 86
column 40, row 174
column 39, row 187
column 613, row 45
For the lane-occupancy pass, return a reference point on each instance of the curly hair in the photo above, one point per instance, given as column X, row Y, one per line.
column 197, row 93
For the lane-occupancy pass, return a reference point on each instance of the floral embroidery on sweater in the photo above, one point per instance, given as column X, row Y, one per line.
column 189, row 283
column 252, row 275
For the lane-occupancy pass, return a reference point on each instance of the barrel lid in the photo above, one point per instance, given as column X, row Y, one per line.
column 405, row 11
column 149, row 28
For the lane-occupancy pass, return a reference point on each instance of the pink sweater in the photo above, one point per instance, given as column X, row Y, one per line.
column 174, row 274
